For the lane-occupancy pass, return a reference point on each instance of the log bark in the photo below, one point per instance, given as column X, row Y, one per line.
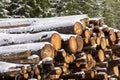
column 14, row 54
column 24, row 61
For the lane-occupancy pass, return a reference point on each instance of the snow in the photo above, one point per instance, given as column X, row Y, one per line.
column 10, row 51
column 96, row 18
column 15, row 22
column 94, row 46
column 6, row 39
column 101, row 73
column 66, row 37
column 98, row 68
column 47, row 59
column 84, row 57
column 32, row 79
column 57, row 68
column 4, row 66
column 33, row 56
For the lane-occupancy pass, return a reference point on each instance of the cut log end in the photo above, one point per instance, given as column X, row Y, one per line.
column 112, row 36
column 78, row 28
column 56, row 41
column 73, row 44
column 103, row 43
column 47, row 51
column 80, row 42
column 101, row 55
column 87, row 33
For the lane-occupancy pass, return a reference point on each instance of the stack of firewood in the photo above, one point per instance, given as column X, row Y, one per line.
column 72, row 47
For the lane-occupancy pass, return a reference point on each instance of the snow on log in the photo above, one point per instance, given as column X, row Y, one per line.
column 63, row 25
column 8, row 39
column 44, row 49
column 5, row 66
column 12, row 23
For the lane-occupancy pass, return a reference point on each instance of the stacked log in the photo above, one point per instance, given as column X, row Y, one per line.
column 73, row 47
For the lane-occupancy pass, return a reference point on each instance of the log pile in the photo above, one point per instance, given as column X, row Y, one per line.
column 76, row 48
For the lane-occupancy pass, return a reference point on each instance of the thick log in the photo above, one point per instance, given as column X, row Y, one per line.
column 13, row 23
column 8, row 39
column 61, row 25
column 44, row 49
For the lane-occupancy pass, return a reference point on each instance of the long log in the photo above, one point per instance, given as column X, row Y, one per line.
column 43, row 49
column 8, row 39
column 61, row 25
